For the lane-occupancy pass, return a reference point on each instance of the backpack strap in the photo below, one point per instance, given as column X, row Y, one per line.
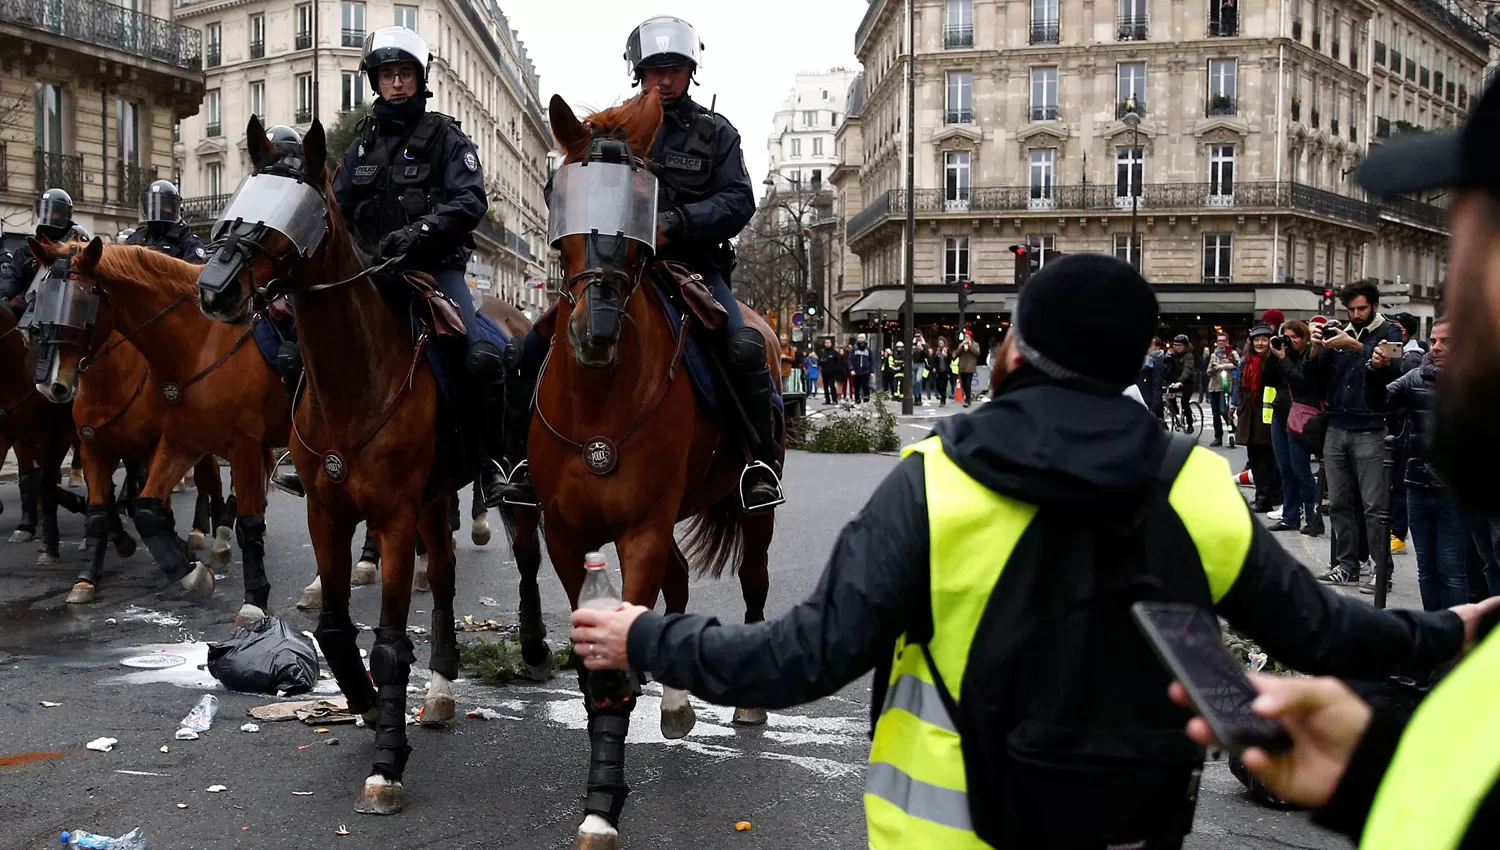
column 429, row 129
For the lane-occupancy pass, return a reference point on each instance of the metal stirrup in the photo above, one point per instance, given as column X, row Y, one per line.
column 744, row 479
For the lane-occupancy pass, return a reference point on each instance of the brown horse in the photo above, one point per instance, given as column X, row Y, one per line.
column 365, row 445
column 671, row 461
column 221, row 398
column 40, row 433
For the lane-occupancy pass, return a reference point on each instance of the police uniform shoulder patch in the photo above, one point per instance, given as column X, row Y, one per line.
column 201, row 254
column 471, row 161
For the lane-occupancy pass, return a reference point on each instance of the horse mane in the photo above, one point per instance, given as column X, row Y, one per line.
column 137, row 262
column 636, row 119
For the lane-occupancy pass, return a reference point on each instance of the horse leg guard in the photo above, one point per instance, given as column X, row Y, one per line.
column 158, row 530
column 96, row 529
column 371, row 550
column 444, row 645
column 73, row 503
column 203, row 515
column 229, row 510
column 250, row 533
column 29, row 482
column 607, row 789
column 51, row 538
column 336, row 636
column 390, row 667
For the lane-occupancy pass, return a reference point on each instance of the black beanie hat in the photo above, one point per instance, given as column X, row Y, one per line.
column 1087, row 318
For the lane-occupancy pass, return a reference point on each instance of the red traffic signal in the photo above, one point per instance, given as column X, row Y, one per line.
column 1020, row 250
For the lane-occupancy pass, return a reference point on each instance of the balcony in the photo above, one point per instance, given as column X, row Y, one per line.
column 214, row 56
column 1044, row 113
column 958, row 116
column 130, row 182
column 1426, row 214
column 1132, row 28
column 1223, row 23
column 304, row 40
column 60, row 171
column 112, row 27
column 1379, row 53
column 1104, row 198
column 1121, row 109
column 213, row 129
column 1220, row 104
column 1045, row 32
column 257, row 50
column 352, row 37
column 303, row 115
column 958, row 37
column 204, row 209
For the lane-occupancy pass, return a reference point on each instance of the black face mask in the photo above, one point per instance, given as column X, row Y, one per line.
column 860, row 346
column 405, row 111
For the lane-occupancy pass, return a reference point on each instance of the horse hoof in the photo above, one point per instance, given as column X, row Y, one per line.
column 124, row 545
column 381, row 797
column 312, row 597
column 479, row 532
column 595, row 833
column 437, row 711
column 195, row 540
column 541, row 672
column 220, row 554
column 81, row 594
column 750, row 717
column 419, row 580
column 364, row 573
column 22, row 536
column 248, row 616
column 677, row 722
column 47, row 559
column 200, row 581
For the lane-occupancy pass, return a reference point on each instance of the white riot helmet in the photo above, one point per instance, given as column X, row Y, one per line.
column 662, row 42
column 390, row 45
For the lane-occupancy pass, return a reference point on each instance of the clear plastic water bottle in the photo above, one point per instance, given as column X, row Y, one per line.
column 606, row 688
column 89, row 841
column 199, row 719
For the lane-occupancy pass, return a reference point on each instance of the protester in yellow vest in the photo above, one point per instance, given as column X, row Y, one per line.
column 988, row 583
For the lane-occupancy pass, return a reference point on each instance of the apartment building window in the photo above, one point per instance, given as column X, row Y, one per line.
column 1338, row 25
column 128, row 151
column 49, row 118
column 353, row 96
column 1125, row 250
column 1130, row 168
column 810, row 118
column 257, row 36
column 1317, row 25
column 213, row 39
column 1333, row 112
column 796, row 148
column 1130, row 85
column 959, row 98
column 795, row 177
column 214, row 175
column 1044, row 244
column 1222, row 86
column 304, row 26
column 1133, row 23
column 1042, row 179
column 1044, row 22
column 258, row 99
column 212, row 115
column 1221, row 175
column 955, row 259
column 1218, row 249
column 1224, row 19
column 959, row 31
column 817, row 147
column 406, row 16
column 304, row 98
column 1044, row 94
column 957, row 176
column 353, row 24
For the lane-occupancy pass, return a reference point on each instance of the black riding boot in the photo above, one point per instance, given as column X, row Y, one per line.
column 486, row 367
column 520, row 386
column 289, row 364
column 760, row 482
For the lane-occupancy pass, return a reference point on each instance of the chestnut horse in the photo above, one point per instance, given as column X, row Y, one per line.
column 220, row 398
column 672, row 462
column 365, row 446
column 40, row 433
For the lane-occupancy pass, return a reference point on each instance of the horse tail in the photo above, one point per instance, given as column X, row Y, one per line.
column 716, row 538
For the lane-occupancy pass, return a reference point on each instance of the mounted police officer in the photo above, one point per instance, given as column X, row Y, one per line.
column 411, row 186
column 161, row 225
column 705, row 200
column 54, row 223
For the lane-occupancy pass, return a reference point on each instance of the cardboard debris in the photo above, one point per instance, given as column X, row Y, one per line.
column 313, row 712
column 102, row 745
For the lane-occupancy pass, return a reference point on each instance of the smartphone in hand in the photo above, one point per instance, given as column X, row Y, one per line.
column 1186, row 638
column 1392, row 350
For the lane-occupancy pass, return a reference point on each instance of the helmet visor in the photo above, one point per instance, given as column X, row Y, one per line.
column 160, row 206
column 660, row 38
column 614, row 199
column 53, row 212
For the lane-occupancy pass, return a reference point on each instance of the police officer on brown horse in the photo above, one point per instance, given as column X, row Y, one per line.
column 705, row 199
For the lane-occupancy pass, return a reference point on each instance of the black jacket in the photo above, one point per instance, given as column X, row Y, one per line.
column 1340, row 374
column 171, row 238
column 1289, row 375
column 831, row 363
column 702, row 181
column 1048, row 446
column 1414, row 394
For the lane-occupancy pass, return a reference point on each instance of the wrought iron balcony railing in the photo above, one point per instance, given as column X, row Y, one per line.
column 1223, row 24
column 1045, row 113
column 1138, row 107
column 304, row 40
column 958, row 36
column 1220, row 104
column 215, row 54
column 60, row 171
column 1133, row 28
column 130, row 182
column 213, row 129
column 303, row 114
column 203, row 209
column 111, row 26
column 352, row 37
column 257, row 50
column 958, row 116
column 1045, row 32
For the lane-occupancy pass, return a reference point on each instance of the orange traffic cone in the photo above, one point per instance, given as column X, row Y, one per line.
column 958, row 394
column 1244, row 479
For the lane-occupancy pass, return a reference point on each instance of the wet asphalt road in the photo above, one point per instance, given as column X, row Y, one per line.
column 515, row 782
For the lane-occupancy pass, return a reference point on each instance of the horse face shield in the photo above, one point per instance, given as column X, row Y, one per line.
column 63, row 312
column 265, row 204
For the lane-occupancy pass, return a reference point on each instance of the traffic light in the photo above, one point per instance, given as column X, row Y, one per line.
column 965, row 288
column 1024, row 262
column 1326, row 304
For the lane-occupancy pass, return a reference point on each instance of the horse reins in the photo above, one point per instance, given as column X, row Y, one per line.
column 90, row 359
column 89, row 432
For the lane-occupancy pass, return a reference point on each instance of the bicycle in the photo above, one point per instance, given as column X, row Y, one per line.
column 1175, row 417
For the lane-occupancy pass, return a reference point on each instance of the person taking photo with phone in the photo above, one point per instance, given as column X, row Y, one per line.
column 988, row 582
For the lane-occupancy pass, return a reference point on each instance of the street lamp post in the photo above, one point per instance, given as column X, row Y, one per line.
column 1132, row 119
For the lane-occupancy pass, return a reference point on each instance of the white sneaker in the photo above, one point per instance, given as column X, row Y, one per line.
column 1275, row 515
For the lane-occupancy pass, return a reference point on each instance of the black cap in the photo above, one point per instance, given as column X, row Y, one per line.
column 1087, row 319
column 1261, row 330
column 1421, row 161
column 1182, row 338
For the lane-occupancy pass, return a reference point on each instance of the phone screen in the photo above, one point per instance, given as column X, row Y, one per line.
column 1186, row 639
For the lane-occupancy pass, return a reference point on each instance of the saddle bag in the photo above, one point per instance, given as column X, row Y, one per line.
column 694, row 294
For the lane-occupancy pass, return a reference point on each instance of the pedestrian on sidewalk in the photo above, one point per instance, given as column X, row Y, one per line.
column 920, row 354
column 831, row 365
column 968, row 364
column 1222, row 364
column 1286, row 373
column 1253, row 430
column 1007, row 548
column 814, row 372
column 940, row 370
column 861, row 362
column 887, row 372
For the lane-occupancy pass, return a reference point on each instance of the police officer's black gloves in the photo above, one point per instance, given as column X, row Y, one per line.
column 404, row 241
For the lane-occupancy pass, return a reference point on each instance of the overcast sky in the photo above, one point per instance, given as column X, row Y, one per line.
column 752, row 50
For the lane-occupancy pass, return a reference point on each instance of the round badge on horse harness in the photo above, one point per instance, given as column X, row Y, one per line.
column 87, row 432
column 599, row 456
column 333, row 467
column 172, row 393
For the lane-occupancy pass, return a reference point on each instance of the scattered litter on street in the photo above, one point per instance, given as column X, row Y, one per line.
column 342, row 830
column 199, row 719
column 164, row 748
column 102, row 745
column 46, row 704
column 250, row 727
column 140, row 773
column 332, row 742
column 485, row 714
column 182, row 805
column 488, row 602
column 216, row 789
column 742, row 826
column 186, row 735
column 268, row 657
column 111, row 621
column 321, row 730
column 311, row 711
column 302, row 793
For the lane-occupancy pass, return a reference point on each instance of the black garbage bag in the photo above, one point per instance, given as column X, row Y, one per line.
column 268, row 657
